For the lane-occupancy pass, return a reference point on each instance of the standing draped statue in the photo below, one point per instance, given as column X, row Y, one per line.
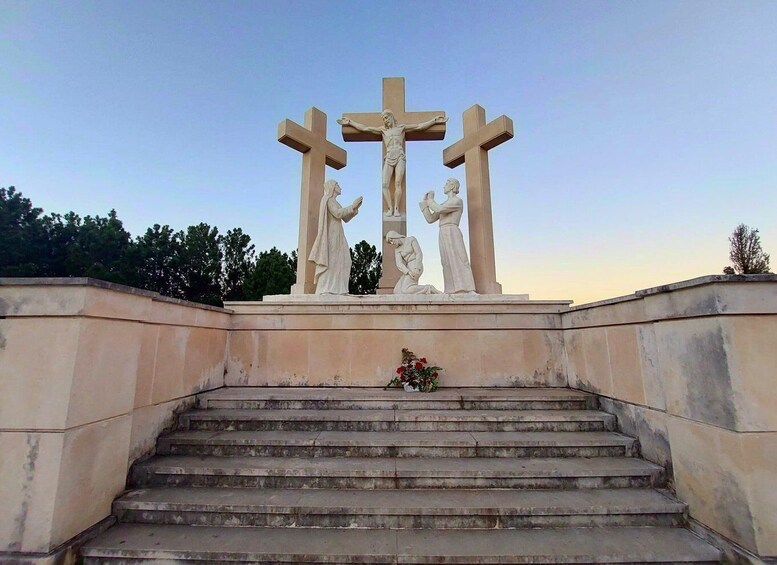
column 456, row 270
column 330, row 251
column 410, row 262
column 394, row 161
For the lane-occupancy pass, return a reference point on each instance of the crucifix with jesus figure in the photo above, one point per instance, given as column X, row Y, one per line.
column 393, row 126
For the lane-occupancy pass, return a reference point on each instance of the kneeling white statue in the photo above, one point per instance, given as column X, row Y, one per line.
column 410, row 262
column 330, row 251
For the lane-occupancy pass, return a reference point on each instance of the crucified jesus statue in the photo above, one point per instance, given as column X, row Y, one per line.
column 394, row 161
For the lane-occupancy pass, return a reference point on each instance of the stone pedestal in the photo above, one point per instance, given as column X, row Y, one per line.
column 357, row 340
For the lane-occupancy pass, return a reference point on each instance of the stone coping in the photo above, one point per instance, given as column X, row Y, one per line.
column 400, row 299
column 690, row 283
column 399, row 308
column 97, row 283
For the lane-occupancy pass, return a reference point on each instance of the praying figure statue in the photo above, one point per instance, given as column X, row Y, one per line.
column 456, row 270
column 394, row 162
column 410, row 262
column 330, row 251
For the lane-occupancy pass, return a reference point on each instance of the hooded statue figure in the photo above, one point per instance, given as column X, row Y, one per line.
column 330, row 251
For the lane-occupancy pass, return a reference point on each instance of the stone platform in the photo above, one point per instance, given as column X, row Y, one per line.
column 486, row 340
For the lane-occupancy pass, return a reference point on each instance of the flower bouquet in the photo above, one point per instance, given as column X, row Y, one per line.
column 414, row 374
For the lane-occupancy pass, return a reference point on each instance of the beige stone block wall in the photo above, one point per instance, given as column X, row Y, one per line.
column 689, row 369
column 364, row 357
column 29, row 472
column 728, row 478
column 92, row 473
column 759, row 451
column 37, row 358
column 90, row 374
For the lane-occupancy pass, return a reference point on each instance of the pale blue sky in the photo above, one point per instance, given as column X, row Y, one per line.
column 645, row 131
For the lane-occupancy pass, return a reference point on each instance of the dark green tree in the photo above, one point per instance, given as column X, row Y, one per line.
column 366, row 269
column 745, row 252
column 272, row 274
column 156, row 256
column 199, row 264
column 238, row 263
column 23, row 236
column 94, row 246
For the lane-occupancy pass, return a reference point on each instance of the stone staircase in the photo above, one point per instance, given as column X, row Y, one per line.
column 259, row 475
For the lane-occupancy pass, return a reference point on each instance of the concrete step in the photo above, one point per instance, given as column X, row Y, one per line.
column 396, row 399
column 399, row 420
column 301, row 545
column 389, row 473
column 443, row 509
column 397, row 444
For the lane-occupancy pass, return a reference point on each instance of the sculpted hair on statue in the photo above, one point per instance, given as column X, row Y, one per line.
column 390, row 114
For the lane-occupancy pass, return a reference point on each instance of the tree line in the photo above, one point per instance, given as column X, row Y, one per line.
column 198, row 263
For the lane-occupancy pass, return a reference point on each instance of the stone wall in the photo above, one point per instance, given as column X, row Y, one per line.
column 359, row 344
column 90, row 374
column 691, row 370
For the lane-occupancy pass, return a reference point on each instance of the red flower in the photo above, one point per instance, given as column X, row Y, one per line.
column 418, row 366
column 423, row 359
column 434, row 374
column 399, row 370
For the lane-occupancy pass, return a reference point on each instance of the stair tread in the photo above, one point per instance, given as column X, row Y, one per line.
column 172, row 542
column 421, row 501
column 367, row 394
column 402, row 438
column 398, row 467
column 404, row 415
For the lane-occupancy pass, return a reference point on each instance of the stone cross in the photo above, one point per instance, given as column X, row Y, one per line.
column 472, row 150
column 394, row 100
column 317, row 152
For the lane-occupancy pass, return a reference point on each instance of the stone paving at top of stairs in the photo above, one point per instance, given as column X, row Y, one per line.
column 379, row 398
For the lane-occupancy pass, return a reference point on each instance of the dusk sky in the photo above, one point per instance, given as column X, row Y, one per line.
column 644, row 131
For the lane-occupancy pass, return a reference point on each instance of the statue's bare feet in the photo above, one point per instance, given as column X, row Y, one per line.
column 397, row 214
column 389, row 212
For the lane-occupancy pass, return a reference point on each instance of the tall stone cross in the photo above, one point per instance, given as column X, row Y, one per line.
column 317, row 152
column 394, row 100
column 472, row 150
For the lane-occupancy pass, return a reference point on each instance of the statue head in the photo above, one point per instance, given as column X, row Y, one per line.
column 452, row 185
column 388, row 118
column 394, row 238
column 331, row 188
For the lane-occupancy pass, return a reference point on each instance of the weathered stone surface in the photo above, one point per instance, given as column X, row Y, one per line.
column 759, row 452
column 711, row 474
column 36, row 372
column 396, row 444
column 29, row 468
column 92, row 472
column 399, row 420
column 436, row 508
column 402, row 546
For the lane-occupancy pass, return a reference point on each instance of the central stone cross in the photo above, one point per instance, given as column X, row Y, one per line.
column 394, row 100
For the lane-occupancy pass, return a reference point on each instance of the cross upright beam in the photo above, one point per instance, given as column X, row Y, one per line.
column 317, row 153
column 472, row 150
column 394, row 100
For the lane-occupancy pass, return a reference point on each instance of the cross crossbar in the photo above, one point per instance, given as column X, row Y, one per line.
column 303, row 140
column 487, row 137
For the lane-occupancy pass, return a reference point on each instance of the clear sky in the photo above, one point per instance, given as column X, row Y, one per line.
column 645, row 131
